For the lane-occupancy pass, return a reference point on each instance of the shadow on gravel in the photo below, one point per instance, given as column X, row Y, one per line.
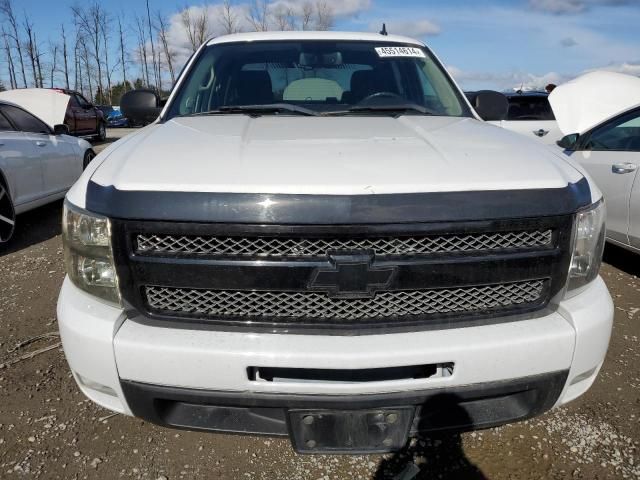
column 622, row 259
column 34, row 227
column 437, row 456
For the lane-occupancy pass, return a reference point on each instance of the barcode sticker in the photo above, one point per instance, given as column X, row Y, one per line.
column 400, row 52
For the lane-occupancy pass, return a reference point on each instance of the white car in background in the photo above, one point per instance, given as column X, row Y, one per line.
column 530, row 114
column 527, row 113
column 600, row 115
column 38, row 160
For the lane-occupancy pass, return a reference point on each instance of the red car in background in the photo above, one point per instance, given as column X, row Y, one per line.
column 82, row 117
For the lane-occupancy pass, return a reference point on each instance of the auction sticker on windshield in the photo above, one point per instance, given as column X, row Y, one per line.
column 400, row 52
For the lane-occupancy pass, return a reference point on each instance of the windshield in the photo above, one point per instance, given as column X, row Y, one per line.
column 529, row 108
column 323, row 76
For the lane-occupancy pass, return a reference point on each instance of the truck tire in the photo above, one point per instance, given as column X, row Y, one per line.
column 7, row 213
column 101, row 134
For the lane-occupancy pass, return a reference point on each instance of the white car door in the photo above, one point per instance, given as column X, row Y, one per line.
column 633, row 158
column 61, row 165
column 21, row 168
column 611, row 155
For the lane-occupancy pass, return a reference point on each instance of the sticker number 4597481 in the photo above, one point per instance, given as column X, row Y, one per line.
column 400, row 52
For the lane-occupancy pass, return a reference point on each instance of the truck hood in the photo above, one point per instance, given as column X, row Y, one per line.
column 50, row 106
column 329, row 155
column 590, row 99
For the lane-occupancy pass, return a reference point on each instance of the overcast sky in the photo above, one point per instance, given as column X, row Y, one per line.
column 484, row 43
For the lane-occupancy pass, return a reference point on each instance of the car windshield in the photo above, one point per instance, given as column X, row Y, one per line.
column 530, row 108
column 316, row 77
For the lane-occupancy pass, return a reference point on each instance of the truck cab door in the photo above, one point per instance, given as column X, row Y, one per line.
column 88, row 114
column 22, row 170
column 611, row 155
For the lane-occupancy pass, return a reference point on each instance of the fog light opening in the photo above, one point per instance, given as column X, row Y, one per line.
column 583, row 376
column 98, row 387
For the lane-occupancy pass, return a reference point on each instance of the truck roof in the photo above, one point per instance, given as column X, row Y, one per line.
column 309, row 35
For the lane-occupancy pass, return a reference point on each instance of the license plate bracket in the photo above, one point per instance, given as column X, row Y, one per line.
column 350, row 431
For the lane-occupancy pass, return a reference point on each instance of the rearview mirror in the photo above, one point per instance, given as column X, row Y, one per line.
column 490, row 105
column 568, row 142
column 141, row 106
column 61, row 129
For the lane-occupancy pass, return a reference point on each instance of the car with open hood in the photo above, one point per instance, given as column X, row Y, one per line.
column 319, row 238
column 77, row 113
column 39, row 161
column 599, row 113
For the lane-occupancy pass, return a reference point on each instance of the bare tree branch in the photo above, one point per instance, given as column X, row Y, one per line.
column 258, row 15
column 228, row 18
column 197, row 27
column 306, row 15
column 6, row 7
column 12, row 72
column 325, row 17
column 169, row 54
column 30, row 46
column 122, row 59
column 65, row 57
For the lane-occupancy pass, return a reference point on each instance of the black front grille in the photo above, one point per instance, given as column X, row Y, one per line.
column 310, row 306
column 255, row 247
column 265, row 277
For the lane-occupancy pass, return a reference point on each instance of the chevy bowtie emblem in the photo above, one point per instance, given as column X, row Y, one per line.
column 351, row 276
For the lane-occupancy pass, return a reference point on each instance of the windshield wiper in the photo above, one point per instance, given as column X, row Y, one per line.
column 259, row 109
column 397, row 108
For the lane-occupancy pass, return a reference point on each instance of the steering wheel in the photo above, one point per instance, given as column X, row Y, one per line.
column 380, row 95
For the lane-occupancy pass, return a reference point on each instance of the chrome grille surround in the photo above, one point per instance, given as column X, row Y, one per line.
column 258, row 305
column 317, row 247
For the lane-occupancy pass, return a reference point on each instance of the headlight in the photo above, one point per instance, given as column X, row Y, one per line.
column 87, row 251
column 588, row 244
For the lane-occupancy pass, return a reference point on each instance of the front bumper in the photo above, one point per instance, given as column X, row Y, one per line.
column 469, row 407
column 179, row 377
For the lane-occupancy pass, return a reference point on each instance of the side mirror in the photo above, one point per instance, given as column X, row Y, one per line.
column 490, row 105
column 141, row 106
column 60, row 129
column 568, row 142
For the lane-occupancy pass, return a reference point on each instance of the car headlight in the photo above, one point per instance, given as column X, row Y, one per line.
column 88, row 256
column 588, row 244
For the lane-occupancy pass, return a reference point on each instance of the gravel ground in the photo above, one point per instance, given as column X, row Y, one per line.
column 49, row 430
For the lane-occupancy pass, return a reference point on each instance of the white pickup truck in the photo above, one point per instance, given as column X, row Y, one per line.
column 320, row 238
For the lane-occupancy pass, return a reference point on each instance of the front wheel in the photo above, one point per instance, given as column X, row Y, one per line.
column 88, row 156
column 7, row 214
column 101, row 135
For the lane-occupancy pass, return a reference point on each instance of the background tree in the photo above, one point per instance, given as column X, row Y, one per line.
column 169, row 54
column 53, row 48
column 258, row 15
column 155, row 62
column 123, row 62
column 7, row 9
column 65, row 58
column 196, row 26
column 228, row 18
column 12, row 72
column 89, row 20
column 30, row 47
column 142, row 48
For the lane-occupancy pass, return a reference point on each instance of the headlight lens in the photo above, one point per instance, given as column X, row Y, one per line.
column 88, row 256
column 588, row 244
